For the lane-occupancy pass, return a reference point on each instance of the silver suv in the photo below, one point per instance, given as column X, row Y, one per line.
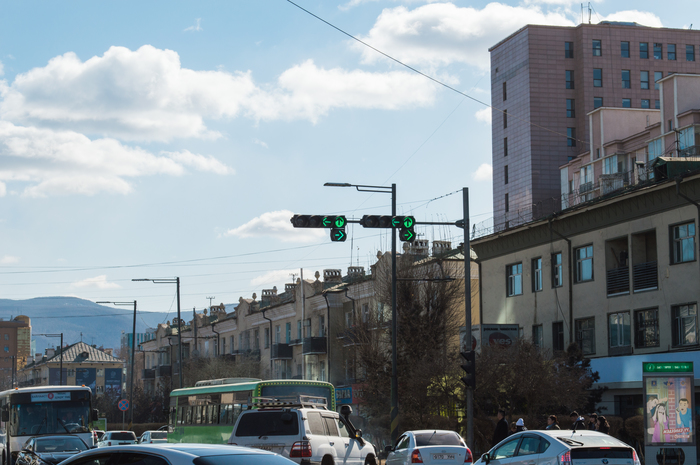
column 304, row 431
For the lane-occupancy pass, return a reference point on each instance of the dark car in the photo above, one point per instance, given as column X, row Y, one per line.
column 50, row 449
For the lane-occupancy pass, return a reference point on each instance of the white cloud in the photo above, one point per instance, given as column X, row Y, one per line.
column 272, row 278
column 196, row 28
column 98, row 282
column 65, row 162
column 644, row 18
column 483, row 173
column 277, row 225
column 260, row 143
column 484, row 115
column 2, row 69
column 440, row 34
column 147, row 95
column 8, row 260
column 3, row 189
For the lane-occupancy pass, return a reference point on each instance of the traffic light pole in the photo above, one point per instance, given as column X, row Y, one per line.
column 394, row 326
column 468, row 312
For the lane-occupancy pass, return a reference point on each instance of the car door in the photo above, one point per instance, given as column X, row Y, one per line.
column 338, row 443
column 529, row 450
column 399, row 456
column 352, row 450
column 504, row 453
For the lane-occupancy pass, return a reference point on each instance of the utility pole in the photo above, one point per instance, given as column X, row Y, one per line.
column 210, row 299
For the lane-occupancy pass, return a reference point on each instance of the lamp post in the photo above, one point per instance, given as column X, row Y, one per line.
column 60, row 369
column 133, row 347
column 394, row 372
column 179, row 320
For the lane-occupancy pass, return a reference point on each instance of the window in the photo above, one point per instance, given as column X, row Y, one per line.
column 569, row 79
column 685, row 325
column 7, row 348
column 597, row 102
column 571, row 137
column 505, row 174
column 558, row 336
column 657, row 104
column 620, row 329
column 626, row 103
column 597, row 48
column 267, row 338
column 646, row 103
column 647, row 328
column 597, row 77
column 690, row 53
column 505, row 146
column 505, row 119
column 585, row 335
column 570, row 108
column 278, row 334
column 537, row 340
column 507, row 450
column 322, row 326
column 349, row 320
column 625, row 49
column 288, row 333
column 505, row 94
column 683, row 243
column 557, row 270
column 658, row 75
column 515, row 279
column 671, row 51
column 626, row 79
column 299, row 329
column 568, row 49
column 644, row 50
column 584, row 263
column 256, row 339
column 506, row 201
column 658, row 54
column 537, row 274
column 644, row 79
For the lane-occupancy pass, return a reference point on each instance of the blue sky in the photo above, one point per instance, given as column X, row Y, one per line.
column 161, row 139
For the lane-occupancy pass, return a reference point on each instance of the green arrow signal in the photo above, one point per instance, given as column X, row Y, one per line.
column 407, row 235
column 338, row 235
column 396, row 221
column 327, row 220
column 340, row 221
column 408, row 222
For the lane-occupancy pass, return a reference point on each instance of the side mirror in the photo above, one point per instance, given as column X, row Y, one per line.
column 486, row 458
column 358, row 434
column 388, row 449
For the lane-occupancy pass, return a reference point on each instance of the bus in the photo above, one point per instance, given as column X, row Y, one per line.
column 42, row 410
column 206, row 413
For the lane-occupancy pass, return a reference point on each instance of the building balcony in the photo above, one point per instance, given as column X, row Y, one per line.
column 281, row 352
column 148, row 373
column 645, row 276
column 692, row 151
column 253, row 354
column 618, row 281
column 350, row 336
column 164, row 370
column 314, row 346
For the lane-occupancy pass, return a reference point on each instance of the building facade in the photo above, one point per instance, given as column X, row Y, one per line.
column 545, row 80
column 15, row 341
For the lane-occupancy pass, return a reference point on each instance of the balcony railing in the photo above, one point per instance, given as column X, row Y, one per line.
column 350, row 336
column 692, row 151
column 148, row 373
column 645, row 276
column 618, row 281
column 314, row 345
column 281, row 351
column 164, row 370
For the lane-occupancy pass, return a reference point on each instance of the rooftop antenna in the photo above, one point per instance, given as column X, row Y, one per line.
column 210, row 299
column 590, row 10
column 294, row 279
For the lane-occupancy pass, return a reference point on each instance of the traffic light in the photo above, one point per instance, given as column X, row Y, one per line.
column 376, row 221
column 338, row 235
column 469, row 368
column 318, row 221
column 405, row 223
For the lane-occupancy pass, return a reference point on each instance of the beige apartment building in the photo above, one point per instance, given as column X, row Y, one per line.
column 548, row 79
column 15, row 348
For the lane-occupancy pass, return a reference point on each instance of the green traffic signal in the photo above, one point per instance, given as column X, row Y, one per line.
column 408, row 222
column 340, row 222
column 407, row 235
column 338, row 235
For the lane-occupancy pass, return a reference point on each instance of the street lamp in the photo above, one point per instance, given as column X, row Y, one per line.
column 60, row 369
column 133, row 346
column 394, row 374
column 179, row 320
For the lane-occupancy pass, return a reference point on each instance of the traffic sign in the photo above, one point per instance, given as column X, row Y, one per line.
column 123, row 405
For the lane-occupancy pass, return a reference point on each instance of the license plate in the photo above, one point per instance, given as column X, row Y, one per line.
column 267, row 448
column 443, row 456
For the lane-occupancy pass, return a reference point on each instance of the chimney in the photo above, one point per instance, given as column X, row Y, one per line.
column 441, row 247
column 108, row 351
column 419, row 247
column 50, row 353
column 355, row 272
column 332, row 276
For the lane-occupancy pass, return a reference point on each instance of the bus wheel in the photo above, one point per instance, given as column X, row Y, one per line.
column 327, row 460
column 370, row 460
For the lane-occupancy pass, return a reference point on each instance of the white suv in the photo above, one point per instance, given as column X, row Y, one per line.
column 117, row 438
column 307, row 433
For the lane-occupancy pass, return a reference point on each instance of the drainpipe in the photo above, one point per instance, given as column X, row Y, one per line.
column 481, row 299
column 218, row 346
column 571, row 280
column 328, row 337
column 679, row 180
column 263, row 314
column 353, row 320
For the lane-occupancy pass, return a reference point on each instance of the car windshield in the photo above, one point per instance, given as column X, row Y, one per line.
column 59, row 445
column 159, row 435
column 124, row 436
column 49, row 418
column 438, row 438
column 278, row 423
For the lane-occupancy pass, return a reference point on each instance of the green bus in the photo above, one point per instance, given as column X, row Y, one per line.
column 206, row 413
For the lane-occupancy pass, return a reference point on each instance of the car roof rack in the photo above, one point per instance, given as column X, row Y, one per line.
column 299, row 401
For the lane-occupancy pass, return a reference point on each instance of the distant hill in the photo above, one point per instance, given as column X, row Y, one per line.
column 100, row 324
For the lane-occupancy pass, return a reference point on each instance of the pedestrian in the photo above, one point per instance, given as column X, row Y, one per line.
column 603, row 426
column 520, row 426
column 501, row 431
column 592, row 421
column 576, row 421
column 513, row 428
column 552, row 422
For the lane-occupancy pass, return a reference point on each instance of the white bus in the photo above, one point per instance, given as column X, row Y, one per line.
column 42, row 410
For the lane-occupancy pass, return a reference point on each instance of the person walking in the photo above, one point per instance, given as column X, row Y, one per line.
column 576, row 421
column 603, row 426
column 552, row 422
column 520, row 425
column 592, row 422
column 501, row 431
column 513, row 428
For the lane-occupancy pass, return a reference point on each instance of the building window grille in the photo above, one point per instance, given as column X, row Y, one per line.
column 585, row 335
column 685, row 325
column 647, row 328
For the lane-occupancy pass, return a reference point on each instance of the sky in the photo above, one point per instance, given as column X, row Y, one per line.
column 166, row 138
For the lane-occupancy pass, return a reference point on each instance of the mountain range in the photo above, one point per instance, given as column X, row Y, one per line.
column 78, row 319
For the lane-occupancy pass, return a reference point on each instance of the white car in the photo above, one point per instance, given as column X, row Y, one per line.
column 305, row 433
column 560, row 447
column 153, row 437
column 178, row 454
column 117, row 438
column 432, row 447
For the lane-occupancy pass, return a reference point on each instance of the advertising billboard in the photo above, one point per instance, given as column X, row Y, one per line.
column 669, row 403
column 113, row 381
column 55, row 376
column 499, row 335
column 86, row 377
